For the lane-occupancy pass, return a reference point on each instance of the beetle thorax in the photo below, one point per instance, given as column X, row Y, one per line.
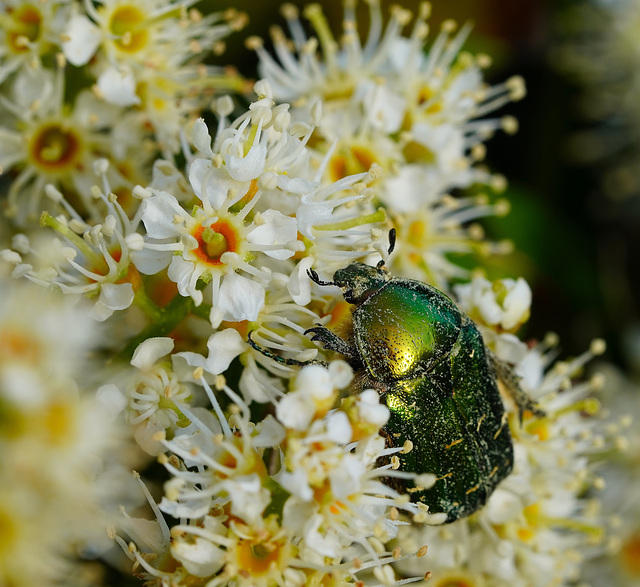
column 359, row 281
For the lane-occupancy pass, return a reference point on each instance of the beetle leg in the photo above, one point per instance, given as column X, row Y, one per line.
column 278, row 358
column 511, row 380
column 333, row 342
column 313, row 275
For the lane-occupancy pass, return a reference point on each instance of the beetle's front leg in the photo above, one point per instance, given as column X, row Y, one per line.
column 333, row 342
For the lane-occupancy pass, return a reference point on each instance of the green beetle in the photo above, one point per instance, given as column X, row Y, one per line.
column 429, row 363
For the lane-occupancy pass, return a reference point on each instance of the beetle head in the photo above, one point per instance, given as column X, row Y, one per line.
column 359, row 281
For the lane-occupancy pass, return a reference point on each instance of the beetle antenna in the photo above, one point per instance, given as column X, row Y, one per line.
column 392, row 241
column 316, row 278
column 392, row 245
column 278, row 358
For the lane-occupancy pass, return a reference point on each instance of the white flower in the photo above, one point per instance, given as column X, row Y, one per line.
column 96, row 259
column 213, row 244
column 503, row 304
column 156, row 395
column 30, row 32
column 57, row 143
column 417, row 111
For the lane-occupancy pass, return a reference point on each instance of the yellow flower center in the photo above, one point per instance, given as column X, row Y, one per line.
column 351, row 160
column 262, row 552
column 129, row 25
column 58, row 422
column 26, row 26
column 55, row 147
column 256, row 559
column 454, row 581
column 9, row 532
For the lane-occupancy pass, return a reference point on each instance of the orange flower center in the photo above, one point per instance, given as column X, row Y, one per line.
column 55, row 147
column 257, row 556
column 630, row 555
column 15, row 346
column 354, row 159
column 214, row 241
column 27, row 24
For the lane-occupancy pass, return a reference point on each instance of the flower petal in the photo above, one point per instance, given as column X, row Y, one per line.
column 158, row 213
column 201, row 138
column 152, row 349
column 299, row 285
column 214, row 185
column 113, row 296
column 276, row 229
column 248, row 167
column 224, row 346
column 240, row 298
column 181, row 272
column 118, row 87
column 81, row 39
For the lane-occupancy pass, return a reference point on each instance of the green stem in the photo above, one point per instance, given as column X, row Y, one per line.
column 379, row 216
column 167, row 319
column 202, row 311
column 147, row 305
column 250, row 139
column 77, row 241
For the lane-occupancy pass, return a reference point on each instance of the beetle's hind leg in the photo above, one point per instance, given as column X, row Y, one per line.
column 333, row 342
column 504, row 372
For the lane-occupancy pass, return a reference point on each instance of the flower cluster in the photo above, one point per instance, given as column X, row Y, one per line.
column 207, row 249
column 619, row 563
column 62, row 474
column 294, row 499
column 143, row 77
column 418, row 111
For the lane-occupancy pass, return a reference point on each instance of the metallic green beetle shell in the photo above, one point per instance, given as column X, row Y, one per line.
column 429, row 363
column 402, row 330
